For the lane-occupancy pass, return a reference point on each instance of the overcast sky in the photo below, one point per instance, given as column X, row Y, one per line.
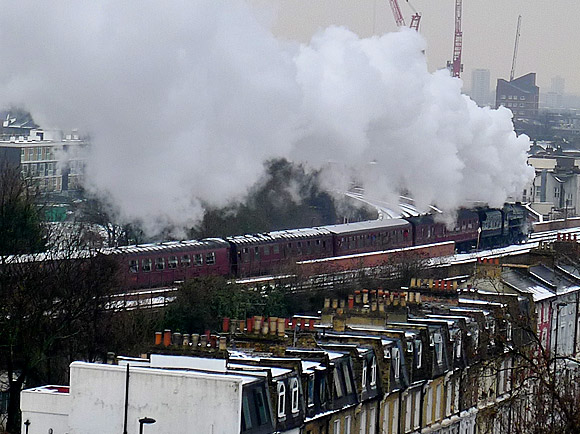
column 549, row 39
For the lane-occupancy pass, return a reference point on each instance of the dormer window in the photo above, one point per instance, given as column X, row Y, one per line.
column 396, row 358
column 364, row 374
column 337, row 384
column 281, row 399
column 419, row 350
column 310, row 390
column 437, row 341
column 295, row 395
column 374, row 371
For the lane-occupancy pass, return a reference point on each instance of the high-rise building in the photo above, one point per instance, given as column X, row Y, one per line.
column 480, row 86
column 521, row 96
column 558, row 85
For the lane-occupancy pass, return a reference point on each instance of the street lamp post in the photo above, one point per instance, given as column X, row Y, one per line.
column 143, row 421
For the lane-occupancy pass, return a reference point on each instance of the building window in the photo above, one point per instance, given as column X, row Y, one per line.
column 386, row 417
column 281, row 400
column 408, row 412
column 502, row 97
column 374, row 371
column 311, row 390
column 247, row 418
column 347, row 379
column 172, row 262
column 210, row 258
column 347, row 424
column 336, row 427
column 363, row 422
column 419, row 355
column 449, row 393
column 295, row 395
column 396, row 361
column 429, row 405
column 146, row 264
column 159, row 263
column 337, row 384
column 438, row 348
column 438, row 402
column 417, row 410
column 373, row 421
column 261, row 406
column 322, row 390
column 185, row 261
column 458, row 345
column 364, row 374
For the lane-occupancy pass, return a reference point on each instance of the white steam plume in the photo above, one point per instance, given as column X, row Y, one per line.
column 186, row 99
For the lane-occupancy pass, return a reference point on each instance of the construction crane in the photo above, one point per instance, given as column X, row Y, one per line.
column 516, row 48
column 415, row 18
column 455, row 65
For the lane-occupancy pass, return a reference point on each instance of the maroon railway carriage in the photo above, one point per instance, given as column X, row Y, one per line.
column 427, row 230
column 162, row 264
column 374, row 259
column 370, row 236
column 277, row 252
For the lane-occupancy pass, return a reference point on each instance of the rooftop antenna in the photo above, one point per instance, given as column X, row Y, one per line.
column 516, row 48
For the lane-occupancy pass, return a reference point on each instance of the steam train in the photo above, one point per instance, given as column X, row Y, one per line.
column 275, row 252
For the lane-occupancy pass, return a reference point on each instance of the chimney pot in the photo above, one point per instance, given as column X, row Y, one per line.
column 166, row 338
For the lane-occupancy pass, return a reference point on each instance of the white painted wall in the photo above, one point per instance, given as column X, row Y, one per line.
column 44, row 410
column 180, row 401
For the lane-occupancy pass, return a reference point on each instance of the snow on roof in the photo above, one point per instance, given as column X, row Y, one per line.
column 482, row 302
column 366, row 225
column 309, row 366
column 276, row 236
column 209, row 243
column 50, row 389
column 275, row 371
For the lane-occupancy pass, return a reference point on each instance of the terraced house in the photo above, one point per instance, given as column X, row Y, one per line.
column 431, row 358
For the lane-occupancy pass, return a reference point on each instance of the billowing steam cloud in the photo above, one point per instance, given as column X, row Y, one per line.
column 185, row 100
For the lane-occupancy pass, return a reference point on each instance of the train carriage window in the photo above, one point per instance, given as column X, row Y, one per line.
column 198, row 259
column 266, row 250
column 257, row 252
column 276, row 249
column 324, row 244
column 133, row 266
column 318, row 242
column 172, row 262
column 146, row 264
column 210, row 258
column 159, row 263
column 185, row 261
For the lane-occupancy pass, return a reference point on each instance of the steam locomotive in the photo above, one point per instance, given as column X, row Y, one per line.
column 275, row 252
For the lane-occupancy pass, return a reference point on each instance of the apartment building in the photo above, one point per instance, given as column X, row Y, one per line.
column 52, row 161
